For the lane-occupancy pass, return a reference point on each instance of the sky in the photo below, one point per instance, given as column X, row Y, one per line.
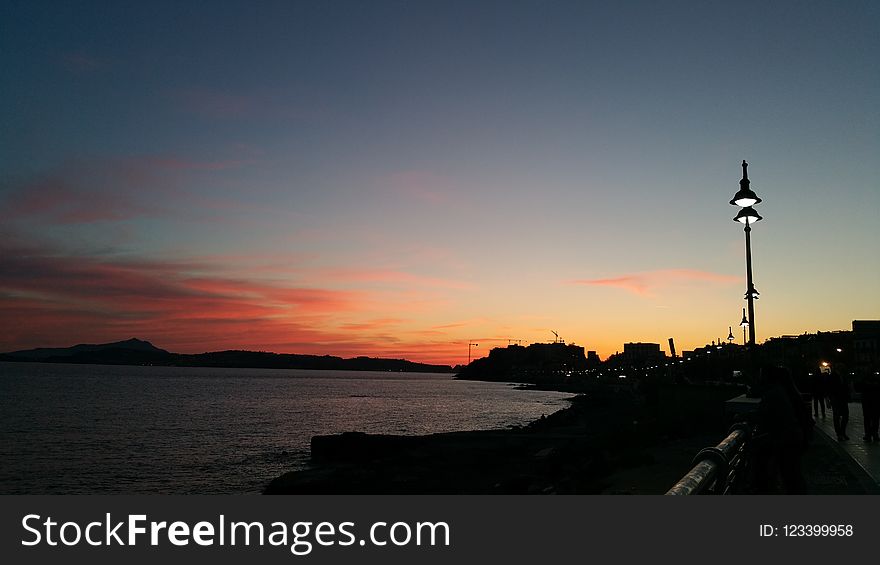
column 401, row 179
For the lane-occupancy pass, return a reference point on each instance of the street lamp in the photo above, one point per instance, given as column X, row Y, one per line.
column 730, row 337
column 744, row 323
column 746, row 198
column 469, row 350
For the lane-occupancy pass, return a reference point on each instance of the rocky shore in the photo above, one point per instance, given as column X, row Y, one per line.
column 576, row 450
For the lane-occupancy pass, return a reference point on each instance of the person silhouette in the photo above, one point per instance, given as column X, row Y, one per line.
column 784, row 429
column 840, row 397
column 870, row 388
column 817, row 390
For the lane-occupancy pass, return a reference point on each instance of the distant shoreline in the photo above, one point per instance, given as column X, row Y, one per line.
column 367, row 370
column 143, row 353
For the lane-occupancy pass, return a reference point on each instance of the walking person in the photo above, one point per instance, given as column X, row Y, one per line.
column 870, row 388
column 784, row 432
column 840, row 403
column 817, row 391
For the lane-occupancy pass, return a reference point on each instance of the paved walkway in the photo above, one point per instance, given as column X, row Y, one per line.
column 866, row 455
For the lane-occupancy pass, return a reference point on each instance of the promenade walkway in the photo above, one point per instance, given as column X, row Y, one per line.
column 865, row 455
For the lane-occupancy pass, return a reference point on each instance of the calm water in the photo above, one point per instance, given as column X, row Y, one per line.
column 107, row 429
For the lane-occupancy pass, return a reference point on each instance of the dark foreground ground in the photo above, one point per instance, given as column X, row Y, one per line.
column 561, row 453
column 605, row 443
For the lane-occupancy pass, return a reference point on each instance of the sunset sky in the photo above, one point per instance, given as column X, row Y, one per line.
column 397, row 179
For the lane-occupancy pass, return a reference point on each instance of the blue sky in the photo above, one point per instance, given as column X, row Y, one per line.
column 435, row 171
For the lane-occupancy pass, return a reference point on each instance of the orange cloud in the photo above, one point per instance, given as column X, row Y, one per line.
column 634, row 284
column 42, row 290
column 644, row 284
column 372, row 325
column 52, row 298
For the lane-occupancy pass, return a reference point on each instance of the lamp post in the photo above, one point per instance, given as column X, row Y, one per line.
column 469, row 350
column 744, row 324
column 746, row 198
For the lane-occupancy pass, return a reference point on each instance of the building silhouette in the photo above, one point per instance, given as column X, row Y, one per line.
column 638, row 354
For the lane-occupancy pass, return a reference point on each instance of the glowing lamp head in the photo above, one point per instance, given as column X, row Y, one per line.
column 745, row 196
column 747, row 216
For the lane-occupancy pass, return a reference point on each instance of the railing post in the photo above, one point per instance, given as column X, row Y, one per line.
column 722, row 465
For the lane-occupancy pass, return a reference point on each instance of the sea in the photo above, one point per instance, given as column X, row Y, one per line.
column 101, row 429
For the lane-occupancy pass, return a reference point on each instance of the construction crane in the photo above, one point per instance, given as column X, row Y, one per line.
column 469, row 350
column 516, row 341
column 557, row 340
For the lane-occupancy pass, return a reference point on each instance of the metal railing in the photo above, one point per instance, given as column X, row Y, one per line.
column 719, row 469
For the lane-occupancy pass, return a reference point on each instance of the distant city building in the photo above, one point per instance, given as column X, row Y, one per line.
column 537, row 362
column 855, row 352
column 806, row 353
column 866, row 345
column 593, row 359
column 638, row 355
column 721, row 348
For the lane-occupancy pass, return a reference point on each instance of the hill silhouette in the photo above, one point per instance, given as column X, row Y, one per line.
column 139, row 352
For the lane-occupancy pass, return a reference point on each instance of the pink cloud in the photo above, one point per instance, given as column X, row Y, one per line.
column 111, row 189
column 460, row 324
column 644, row 284
column 63, row 198
column 81, row 63
column 428, row 187
column 172, row 163
column 635, row 284
column 49, row 297
column 42, row 289
column 214, row 103
column 372, row 325
column 391, row 276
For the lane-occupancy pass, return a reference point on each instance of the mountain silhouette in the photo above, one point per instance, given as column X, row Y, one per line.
column 132, row 344
column 129, row 352
column 139, row 352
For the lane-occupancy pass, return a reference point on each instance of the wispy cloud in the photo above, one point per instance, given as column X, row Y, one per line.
column 424, row 186
column 372, row 325
column 646, row 283
column 391, row 277
column 460, row 324
column 82, row 63
column 106, row 189
column 234, row 104
column 52, row 297
column 632, row 283
column 174, row 163
column 42, row 289
column 214, row 103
